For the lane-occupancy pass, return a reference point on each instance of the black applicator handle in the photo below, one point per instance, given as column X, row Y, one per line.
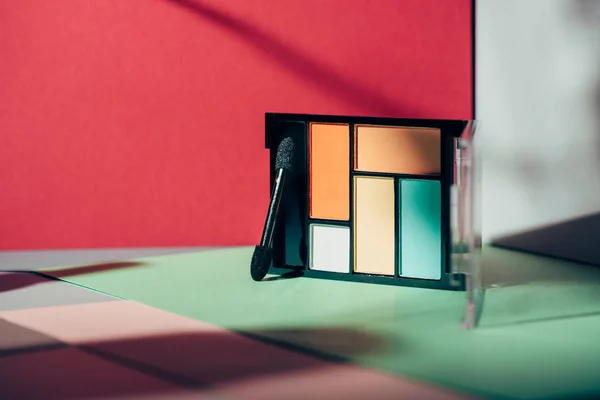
column 273, row 212
column 263, row 253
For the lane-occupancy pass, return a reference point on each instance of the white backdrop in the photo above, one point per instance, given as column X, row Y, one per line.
column 538, row 99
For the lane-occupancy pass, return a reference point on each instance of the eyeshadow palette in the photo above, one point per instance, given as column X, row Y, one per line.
column 369, row 199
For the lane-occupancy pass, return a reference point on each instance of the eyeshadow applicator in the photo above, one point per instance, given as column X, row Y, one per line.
column 263, row 253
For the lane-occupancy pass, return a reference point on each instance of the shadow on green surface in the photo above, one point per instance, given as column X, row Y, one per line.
column 546, row 319
column 522, row 288
column 505, row 268
column 585, row 396
column 347, row 341
column 287, row 275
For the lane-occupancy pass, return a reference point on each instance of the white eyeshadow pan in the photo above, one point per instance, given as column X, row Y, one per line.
column 329, row 248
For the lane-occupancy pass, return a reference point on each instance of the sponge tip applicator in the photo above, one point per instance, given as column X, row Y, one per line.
column 284, row 159
column 261, row 262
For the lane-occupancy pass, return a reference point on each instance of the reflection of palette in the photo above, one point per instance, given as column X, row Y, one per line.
column 369, row 200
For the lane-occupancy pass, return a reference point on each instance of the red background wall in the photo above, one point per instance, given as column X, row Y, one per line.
column 140, row 122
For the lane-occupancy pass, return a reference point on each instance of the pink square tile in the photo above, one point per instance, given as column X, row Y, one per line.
column 116, row 320
column 15, row 338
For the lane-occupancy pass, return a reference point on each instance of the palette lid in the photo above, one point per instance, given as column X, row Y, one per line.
column 273, row 121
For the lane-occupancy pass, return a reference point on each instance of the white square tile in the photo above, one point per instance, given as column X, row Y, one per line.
column 330, row 248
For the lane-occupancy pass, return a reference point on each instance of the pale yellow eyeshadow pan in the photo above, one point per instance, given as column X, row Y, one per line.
column 374, row 225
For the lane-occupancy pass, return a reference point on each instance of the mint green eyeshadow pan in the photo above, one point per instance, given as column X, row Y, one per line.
column 420, row 241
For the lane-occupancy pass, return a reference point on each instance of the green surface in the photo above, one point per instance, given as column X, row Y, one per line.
column 539, row 334
column 420, row 238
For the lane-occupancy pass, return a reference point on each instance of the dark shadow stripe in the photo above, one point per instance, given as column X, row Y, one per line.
column 144, row 368
column 32, row 349
column 295, row 348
